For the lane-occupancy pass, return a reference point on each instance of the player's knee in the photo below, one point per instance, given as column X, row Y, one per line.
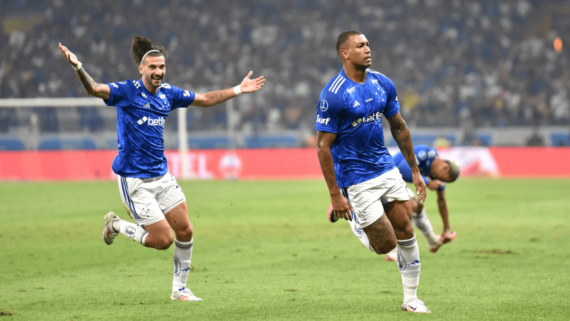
column 164, row 243
column 385, row 247
column 185, row 235
column 417, row 207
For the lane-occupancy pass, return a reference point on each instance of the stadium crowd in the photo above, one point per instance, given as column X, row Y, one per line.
column 455, row 63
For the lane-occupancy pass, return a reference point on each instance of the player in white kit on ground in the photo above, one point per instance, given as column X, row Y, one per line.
column 353, row 157
column 151, row 196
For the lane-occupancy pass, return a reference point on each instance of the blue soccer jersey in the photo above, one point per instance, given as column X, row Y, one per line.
column 140, row 125
column 425, row 156
column 354, row 112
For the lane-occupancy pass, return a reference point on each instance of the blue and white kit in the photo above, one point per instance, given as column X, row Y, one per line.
column 363, row 166
column 425, row 156
column 147, row 189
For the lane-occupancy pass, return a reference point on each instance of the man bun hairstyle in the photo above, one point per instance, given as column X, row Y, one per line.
column 343, row 37
column 141, row 46
column 454, row 171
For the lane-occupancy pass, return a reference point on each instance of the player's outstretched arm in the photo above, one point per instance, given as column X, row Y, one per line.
column 213, row 98
column 340, row 204
column 401, row 135
column 91, row 87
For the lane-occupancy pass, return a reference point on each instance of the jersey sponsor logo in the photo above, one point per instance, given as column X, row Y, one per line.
column 373, row 117
column 351, row 90
column 137, row 84
column 114, row 85
column 324, row 121
column 355, row 104
column 369, row 99
column 324, row 105
column 152, row 122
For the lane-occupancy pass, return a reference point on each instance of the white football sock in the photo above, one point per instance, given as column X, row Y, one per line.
column 132, row 231
column 423, row 223
column 359, row 232
column 182, row 257
column 409, row 266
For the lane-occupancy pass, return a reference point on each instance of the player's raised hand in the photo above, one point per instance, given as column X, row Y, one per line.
column 250, row 85
column 68, row 55
column 420, row 186
column 341, row 207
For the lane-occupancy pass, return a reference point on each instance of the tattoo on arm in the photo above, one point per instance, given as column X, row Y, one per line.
column 401, row 135
column 88, row 83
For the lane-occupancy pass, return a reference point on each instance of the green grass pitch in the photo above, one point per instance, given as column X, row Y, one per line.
column 265, row 251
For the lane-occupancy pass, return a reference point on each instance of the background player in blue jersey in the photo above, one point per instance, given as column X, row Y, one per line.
column 150, row 194
column 354, row 159
column 435, row 173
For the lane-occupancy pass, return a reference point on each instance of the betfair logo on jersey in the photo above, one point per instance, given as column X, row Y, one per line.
column 152, row 122
column 324, row 121
column 374, row 117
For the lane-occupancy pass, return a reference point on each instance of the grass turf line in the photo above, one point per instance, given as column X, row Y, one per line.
column 264, row 250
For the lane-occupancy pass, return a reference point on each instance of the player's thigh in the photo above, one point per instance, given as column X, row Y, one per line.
column 381, row 235
column 400, row 215
column 138, row 196
column 178, row 220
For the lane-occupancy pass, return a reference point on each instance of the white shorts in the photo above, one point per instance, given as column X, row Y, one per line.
column 367, row 198
column 148, row 199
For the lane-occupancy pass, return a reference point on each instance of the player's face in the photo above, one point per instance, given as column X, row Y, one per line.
column 441, row 172
column 153, row 70
column 359, row 50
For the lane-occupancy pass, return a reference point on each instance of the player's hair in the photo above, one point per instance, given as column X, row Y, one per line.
column 454, row 171
column 141, row 45
column 343, row 37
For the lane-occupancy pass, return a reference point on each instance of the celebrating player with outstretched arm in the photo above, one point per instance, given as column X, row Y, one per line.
column 353, row 157
column 150, row 194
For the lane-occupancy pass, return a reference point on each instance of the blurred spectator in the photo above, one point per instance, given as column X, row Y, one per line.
column 535, row 139
column 490, row 62
column 441, row 142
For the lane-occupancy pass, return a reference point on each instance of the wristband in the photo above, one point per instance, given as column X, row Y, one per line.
column 237, row 90
column 79, row 65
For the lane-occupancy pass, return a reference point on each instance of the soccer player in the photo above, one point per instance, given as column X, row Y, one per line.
column 435, row 173
column 151, row 195
column 360, row 174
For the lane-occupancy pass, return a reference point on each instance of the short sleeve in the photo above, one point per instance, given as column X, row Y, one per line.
column 120, row 94
column 392, row 105
column 329, row 110
column 180, row 98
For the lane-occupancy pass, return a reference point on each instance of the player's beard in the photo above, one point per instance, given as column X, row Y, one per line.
column 155, row 81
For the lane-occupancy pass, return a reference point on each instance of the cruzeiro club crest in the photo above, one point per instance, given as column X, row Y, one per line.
column 324, row 105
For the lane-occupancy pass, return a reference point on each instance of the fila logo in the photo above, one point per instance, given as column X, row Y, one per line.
column 355, row 104
column 369, row 99
column 152, row 122
column 351, row 90
column 147, row 105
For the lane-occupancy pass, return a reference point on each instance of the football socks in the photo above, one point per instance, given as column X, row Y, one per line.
column 423, row 223
column 409, row 266
column 132, row 231
column 182, row 257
